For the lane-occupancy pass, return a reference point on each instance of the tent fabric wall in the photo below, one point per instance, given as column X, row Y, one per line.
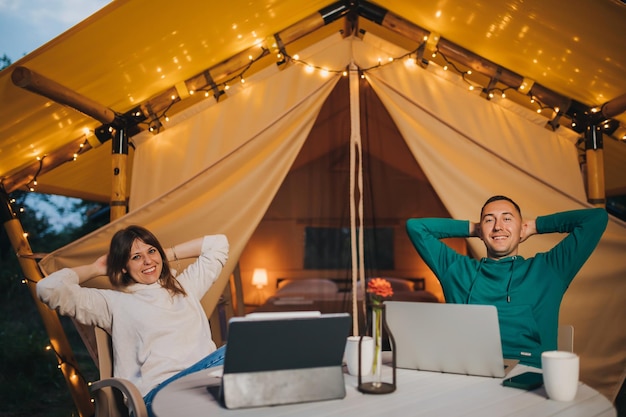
column 470, row 149
column 231, row 193
column 205, row 133
column 218, row 170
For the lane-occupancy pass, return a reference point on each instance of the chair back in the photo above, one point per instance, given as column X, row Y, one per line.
column 109, row 402
column 565, row 339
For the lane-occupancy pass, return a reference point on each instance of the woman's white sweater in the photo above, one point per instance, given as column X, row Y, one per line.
column 155, row 335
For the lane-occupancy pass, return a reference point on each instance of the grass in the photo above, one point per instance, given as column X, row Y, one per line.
column 30, row 382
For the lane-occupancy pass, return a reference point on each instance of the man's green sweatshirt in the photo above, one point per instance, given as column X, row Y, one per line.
column 526, row 292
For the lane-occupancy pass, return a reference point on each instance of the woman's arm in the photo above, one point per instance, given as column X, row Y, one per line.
column 89, row 271
column 190, row 249
column 61, row 290
column 198, row 277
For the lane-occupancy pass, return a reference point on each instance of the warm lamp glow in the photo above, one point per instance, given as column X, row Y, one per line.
column 259, row 277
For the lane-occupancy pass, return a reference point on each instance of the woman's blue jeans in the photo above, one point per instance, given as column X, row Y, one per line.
column 214, row 359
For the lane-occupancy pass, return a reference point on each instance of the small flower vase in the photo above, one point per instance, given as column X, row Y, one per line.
column 379, row 325
column 377, row 335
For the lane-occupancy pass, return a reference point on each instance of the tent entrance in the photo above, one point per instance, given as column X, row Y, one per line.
column 312, row 204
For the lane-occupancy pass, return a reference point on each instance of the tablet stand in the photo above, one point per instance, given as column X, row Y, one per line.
column 254, row 389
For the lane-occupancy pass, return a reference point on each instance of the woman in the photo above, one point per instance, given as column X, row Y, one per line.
column 159, row 329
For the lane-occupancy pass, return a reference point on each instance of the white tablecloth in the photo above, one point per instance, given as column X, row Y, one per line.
column 418, row 393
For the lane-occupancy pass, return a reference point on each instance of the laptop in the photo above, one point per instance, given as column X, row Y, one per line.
column 450, row 338
column 282, row 358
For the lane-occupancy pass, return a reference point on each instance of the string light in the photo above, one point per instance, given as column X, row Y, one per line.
column 464, row 74
column 220, row 89
column 411, row 59
column 428, row 46
column 540, row 106
column 32, row 184
column 155, row 125
column 491, row 92
column 72, row 372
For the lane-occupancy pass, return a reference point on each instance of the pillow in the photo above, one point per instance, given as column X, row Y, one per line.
column 309, row 286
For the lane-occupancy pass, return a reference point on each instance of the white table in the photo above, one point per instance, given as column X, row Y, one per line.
column 418, row 393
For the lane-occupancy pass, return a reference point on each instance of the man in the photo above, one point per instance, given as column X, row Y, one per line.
column 526, row 292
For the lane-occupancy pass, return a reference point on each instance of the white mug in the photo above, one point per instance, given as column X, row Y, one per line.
column 560, row 374
column 352, row 353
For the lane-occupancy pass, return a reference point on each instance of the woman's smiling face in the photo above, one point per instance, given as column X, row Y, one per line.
column 145, row 263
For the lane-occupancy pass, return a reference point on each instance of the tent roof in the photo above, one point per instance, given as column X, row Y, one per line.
column 131, row 52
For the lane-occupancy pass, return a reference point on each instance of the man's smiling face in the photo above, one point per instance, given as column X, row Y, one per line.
column 501, row 229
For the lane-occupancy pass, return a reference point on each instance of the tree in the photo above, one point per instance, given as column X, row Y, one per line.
column 5, row 61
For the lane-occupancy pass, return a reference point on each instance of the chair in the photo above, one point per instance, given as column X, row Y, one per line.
column 118, row 397
column 565, row 338
column 114, row 397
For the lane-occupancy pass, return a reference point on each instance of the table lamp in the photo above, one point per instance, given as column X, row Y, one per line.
column 259, row 280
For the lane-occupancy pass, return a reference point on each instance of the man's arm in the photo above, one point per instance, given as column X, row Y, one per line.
column 529, row 228
column 426, row 235
column 584, row 228
column 474, row 229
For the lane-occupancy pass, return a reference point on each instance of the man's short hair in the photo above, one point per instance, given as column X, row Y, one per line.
column 499, row 198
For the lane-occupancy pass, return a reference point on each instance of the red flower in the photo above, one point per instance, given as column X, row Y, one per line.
column 379, row 288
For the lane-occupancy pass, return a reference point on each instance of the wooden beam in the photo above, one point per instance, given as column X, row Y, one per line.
column 614, row 107
column 229, row 68
column 51, row 161
column 455, row 52
column 37, row 83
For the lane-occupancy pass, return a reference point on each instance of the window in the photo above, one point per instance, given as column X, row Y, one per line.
column 329, row 248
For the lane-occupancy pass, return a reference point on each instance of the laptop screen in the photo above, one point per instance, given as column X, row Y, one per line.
column 269, row 343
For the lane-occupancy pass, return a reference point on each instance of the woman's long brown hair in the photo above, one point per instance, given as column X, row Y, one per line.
column 119, row 255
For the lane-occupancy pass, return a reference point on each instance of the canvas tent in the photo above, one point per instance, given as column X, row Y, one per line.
column 217, row 167
column 247, row 173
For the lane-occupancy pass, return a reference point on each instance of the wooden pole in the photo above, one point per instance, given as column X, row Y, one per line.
column 58, row 340
column 119, row 172
column 594, row 153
